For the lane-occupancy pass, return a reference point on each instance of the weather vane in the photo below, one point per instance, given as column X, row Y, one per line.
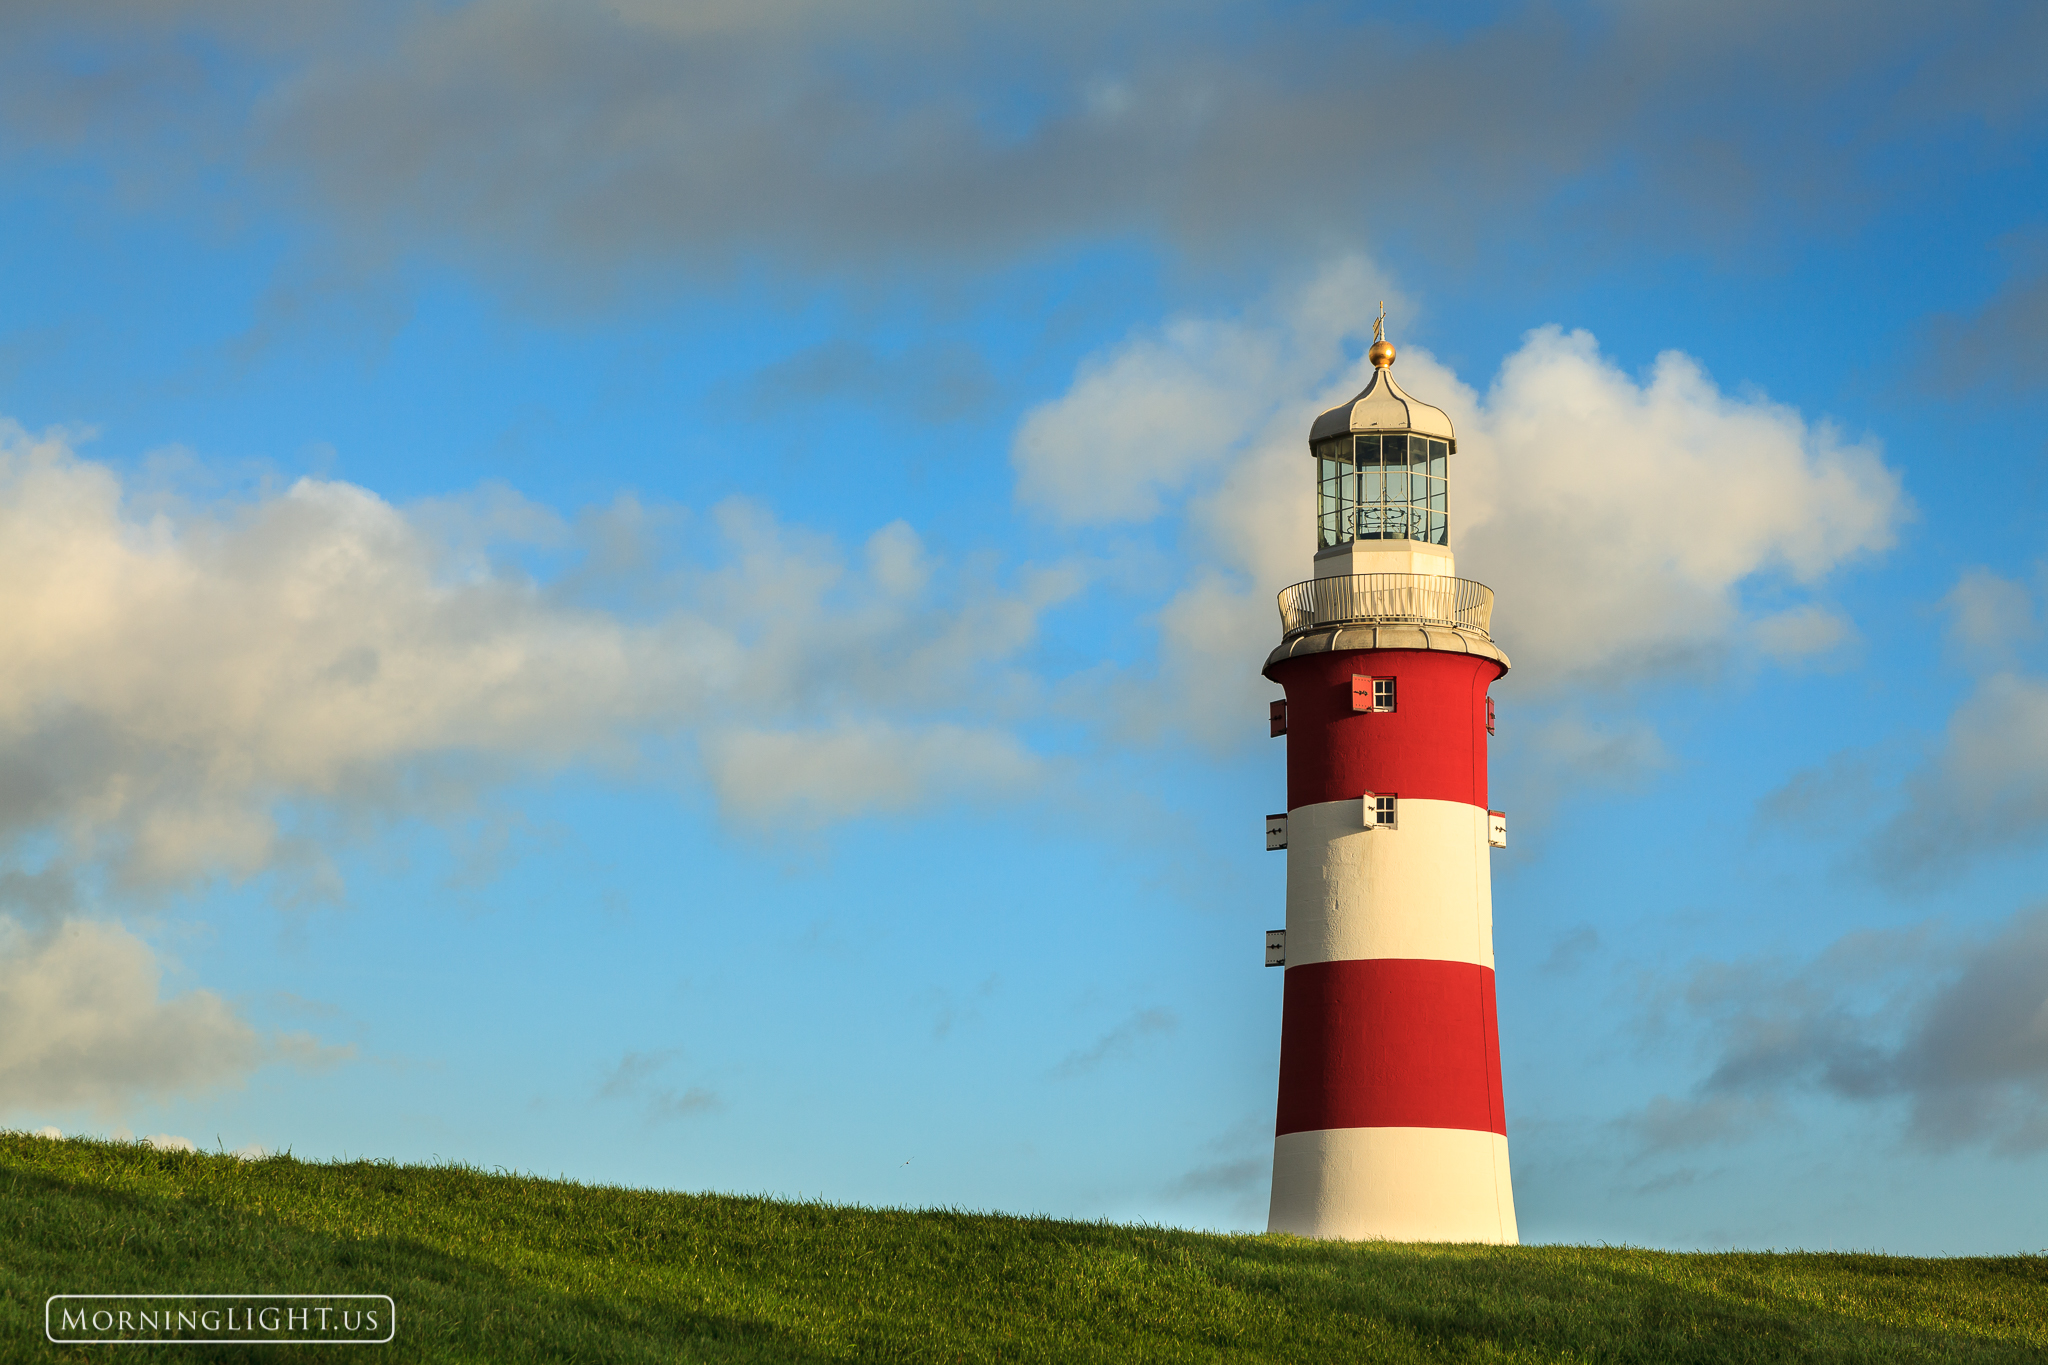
column 1382, row 352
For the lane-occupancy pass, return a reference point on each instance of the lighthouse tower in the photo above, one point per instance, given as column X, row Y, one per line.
column 1390, row 1120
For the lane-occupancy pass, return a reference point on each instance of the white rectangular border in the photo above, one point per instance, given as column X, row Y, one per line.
column 225, row 1341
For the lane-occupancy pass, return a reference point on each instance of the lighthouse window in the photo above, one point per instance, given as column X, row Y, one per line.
column 1371, row 694
column 1380, row 811
column 1399, row 491
column 1334, row 494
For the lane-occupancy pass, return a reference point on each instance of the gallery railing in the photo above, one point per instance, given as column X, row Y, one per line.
column 1386, row 598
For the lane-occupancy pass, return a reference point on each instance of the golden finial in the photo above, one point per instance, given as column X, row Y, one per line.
column 1382, row 352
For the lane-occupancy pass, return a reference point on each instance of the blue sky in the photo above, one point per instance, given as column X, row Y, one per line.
column 675, row 596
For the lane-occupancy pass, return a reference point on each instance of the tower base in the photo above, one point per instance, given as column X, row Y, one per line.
column 1393, row 1184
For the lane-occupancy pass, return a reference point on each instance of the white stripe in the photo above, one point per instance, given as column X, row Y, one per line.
column 1395, row 1184
column 1422, row 889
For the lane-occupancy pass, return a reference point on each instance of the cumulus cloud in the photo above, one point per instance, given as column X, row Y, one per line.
column 224, row 689
column 1955, row 1031
column 84, row 1022
column 1168, row 406
column 1622, row 521
column 167, row 682
column 1624, row 517
column 175, row 681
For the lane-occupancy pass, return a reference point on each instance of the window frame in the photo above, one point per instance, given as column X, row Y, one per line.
column 1371, row 692
column 1377, row 804
column 1344, row 512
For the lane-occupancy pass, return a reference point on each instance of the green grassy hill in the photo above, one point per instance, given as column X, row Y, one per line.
column 508, row 1268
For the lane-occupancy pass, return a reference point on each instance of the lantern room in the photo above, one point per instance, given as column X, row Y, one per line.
column 1382, row 463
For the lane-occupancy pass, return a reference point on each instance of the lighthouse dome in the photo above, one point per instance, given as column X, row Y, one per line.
column 1383, row 406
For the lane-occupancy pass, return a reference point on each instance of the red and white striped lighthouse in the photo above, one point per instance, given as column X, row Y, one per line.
column 1390, row 1119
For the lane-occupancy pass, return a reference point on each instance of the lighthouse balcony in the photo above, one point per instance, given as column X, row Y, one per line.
column 1374, row 599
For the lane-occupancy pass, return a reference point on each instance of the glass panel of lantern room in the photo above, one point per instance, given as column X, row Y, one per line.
column 1332, row 475
column 1368, row 457
column 1394, row 456
column 1437, row 451
column 1418, row 487
column 1366, row 452
column 1347, row 490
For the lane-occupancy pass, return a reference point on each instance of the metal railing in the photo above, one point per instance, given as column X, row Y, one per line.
column 1373, row 598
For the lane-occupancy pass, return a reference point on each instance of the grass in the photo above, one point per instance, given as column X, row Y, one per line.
column 511, row 1268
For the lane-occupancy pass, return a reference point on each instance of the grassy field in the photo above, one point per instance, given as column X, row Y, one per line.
column 508, row 1268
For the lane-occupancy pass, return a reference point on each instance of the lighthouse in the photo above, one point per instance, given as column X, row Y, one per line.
column 1390, row 1121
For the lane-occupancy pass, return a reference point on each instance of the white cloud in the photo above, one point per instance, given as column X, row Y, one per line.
column 179, row 684
column 84, row 1022
column 168, row 680
column 1161, row 411
column 169, row 1142
column 173, row 678
column 1619, row 521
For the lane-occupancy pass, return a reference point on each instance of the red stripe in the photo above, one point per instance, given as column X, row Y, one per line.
column 1390, row 1043
column 1432, row 745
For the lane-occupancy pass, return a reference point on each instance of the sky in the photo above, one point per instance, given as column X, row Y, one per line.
column 673, row 594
